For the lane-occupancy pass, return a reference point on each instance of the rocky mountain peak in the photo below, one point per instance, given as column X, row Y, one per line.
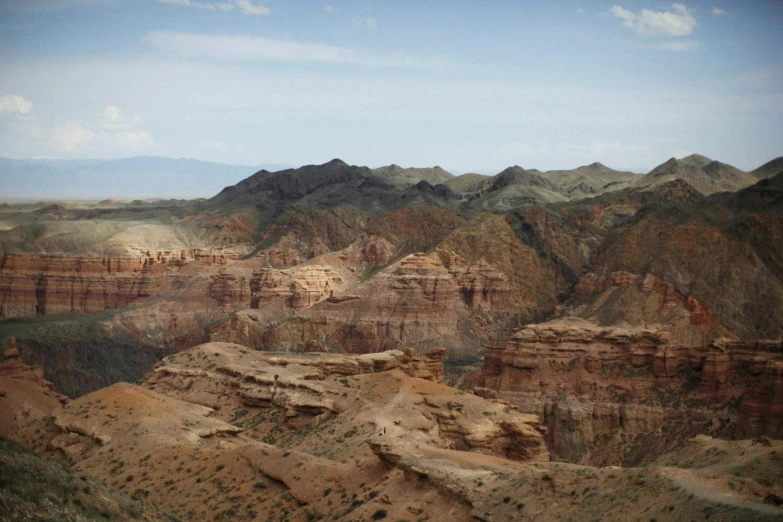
column 769, row 169
column 696, row 160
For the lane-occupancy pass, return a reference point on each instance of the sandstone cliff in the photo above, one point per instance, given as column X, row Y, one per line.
column 223, row 431
column 419, row 300
column 52, row 284
column 623, row 395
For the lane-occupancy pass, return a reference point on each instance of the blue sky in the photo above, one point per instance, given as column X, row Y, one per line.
column 464, row 85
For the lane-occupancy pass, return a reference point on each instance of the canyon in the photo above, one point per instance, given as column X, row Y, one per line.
column 51, row 284
column 338, row 341
column 622, row 396
column 221, row 430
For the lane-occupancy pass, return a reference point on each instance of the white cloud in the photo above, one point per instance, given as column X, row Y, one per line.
column 251, row 48
column 248, row 7
column 117, row 130
column 580, row 11
column 15, row 104
column 677, row 46
column 189, row 3
column 372, row 23
column 70, row 136
column 717, row 11
column 112, row 130
column 248, row 48
column 112, row 114
column 133, row 140
column 113, row 119
column 329, row 8
column 677, row 21
column 245, row 6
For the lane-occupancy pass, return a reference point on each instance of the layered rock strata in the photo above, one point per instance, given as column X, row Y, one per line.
column 384, row 445
column 50, row 284
column 312, row 388
column 300, row 288
column 597, row 387
column 421, row 299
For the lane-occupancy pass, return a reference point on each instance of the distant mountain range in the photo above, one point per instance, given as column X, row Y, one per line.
column 127, row 178
column 338, row 184
column 157, row 177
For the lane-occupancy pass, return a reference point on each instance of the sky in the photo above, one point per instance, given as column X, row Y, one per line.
column 467, row 85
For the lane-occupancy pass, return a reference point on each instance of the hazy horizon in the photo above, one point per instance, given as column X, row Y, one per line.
column 468, row 87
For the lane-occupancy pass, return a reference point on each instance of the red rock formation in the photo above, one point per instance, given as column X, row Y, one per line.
column 375, row 251
column 312, row 388
column 301, row 288
column 25, row 395
column 231, row 290
column 423, row 298
column 645, row 301
column 51, row 284
column 591, row 384
column 280, row 257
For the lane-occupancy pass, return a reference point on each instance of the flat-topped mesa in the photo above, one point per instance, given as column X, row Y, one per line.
column 444, row 277
column 230, row 290
column 67, row 264
column 585, row 380
column 50, row 284
column 578, row 331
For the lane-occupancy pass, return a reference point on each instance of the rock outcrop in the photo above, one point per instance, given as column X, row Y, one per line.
column 300, row 288
column 231, row 290
column 25, row 395
column 331, row 436
column 641, row 301
column 311, row 388
column 597, row 388
column 51, row 284
column 420, row 300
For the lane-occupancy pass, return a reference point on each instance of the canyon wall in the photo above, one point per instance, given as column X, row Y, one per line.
column 51, row 284
column 420, row 300
column 622, row 395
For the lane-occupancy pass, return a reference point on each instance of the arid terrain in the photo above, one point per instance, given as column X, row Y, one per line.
column 343, row 343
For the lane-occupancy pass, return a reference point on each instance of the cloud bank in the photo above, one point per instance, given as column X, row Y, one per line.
column 15, row 104
column 244, row 6
column 223, row 47
column 677, row 21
